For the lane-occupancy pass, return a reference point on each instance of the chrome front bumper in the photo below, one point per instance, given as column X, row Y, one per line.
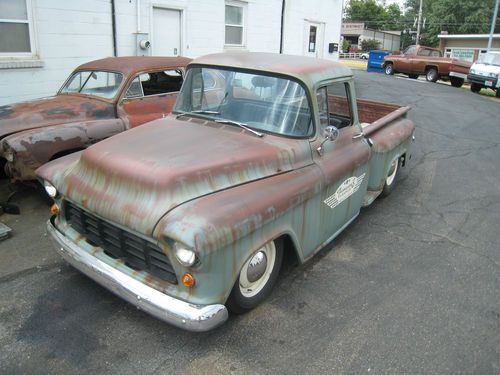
column 179, row 313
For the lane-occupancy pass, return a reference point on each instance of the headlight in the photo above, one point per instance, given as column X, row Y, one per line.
column 473, row 71
column 493, row 75
column 8, row 152
column 50, row 189
column 185, row 256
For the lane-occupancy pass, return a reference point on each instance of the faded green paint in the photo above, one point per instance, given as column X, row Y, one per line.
column 225, row 193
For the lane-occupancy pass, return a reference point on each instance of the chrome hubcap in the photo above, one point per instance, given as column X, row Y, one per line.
column 257, row 267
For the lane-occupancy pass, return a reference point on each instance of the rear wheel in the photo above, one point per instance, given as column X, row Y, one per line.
column 389, row 69
column 390, row 180
column 431, row 75
column 474, row 87
column 497, row 94
column 256, row 278
column 456, row 82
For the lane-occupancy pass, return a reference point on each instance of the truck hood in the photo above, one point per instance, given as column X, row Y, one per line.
column 138, row 176
column 485, row 69
column 53, row 110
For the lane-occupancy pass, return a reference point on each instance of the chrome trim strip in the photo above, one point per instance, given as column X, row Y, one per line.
column 197, row 318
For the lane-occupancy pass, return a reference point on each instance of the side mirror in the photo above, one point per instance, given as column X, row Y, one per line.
column 331, row 133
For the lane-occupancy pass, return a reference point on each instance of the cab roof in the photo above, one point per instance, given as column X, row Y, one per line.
column 135, row 64
column 310, row 70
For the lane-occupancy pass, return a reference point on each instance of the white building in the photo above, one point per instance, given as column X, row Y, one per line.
column 42, row 41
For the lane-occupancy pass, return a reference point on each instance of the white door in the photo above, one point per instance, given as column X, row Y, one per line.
column 313, row 39
column 166, row 32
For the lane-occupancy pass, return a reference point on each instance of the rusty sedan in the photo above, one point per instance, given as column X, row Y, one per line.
column 265, row 156
column 99, row 99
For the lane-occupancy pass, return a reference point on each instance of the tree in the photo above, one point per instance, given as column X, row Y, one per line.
column 367, row 11
column 369, row 45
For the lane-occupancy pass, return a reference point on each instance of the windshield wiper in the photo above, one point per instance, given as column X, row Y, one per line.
column 241, row 125
column 198, row 112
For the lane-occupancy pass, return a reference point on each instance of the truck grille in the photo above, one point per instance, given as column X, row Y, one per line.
column 137, row 253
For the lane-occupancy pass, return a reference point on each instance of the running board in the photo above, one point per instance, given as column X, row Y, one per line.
column 370, row 196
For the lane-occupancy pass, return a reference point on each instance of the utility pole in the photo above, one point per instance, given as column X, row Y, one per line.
column 493, row 22
column 420, row 20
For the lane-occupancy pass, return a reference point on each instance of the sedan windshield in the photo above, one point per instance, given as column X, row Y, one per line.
column 96, row 83
column 264, row 103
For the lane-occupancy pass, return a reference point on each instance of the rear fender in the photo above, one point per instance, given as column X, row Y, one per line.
column 389, row 143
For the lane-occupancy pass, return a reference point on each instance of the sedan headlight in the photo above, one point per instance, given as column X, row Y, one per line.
column 50, row 189
column 185, row 256
column 8, row 153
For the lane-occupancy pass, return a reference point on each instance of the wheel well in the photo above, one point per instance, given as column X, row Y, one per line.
column 290, row 254
column 387, row 63
column 428, row 67
column 65, row 152
column 3, row 174
column 403, row 159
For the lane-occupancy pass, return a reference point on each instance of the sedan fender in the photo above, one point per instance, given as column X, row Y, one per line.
column 30, row 149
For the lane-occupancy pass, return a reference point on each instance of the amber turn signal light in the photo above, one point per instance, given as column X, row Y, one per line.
column 54, row 209
column 188, row 280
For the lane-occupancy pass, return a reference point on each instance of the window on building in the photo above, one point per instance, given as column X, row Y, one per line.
column 15, row 27
column 235, row 23
column 313, row 30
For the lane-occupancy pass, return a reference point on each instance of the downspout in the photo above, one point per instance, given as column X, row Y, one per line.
column 113, row 24
column 138, row 16
column 282, row 25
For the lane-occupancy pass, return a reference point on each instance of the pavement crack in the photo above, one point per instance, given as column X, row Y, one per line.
column 29, row 271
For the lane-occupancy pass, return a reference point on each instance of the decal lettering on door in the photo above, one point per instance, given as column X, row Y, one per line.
column 344, row 191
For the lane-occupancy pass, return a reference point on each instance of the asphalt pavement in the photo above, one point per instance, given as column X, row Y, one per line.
column 411, row 286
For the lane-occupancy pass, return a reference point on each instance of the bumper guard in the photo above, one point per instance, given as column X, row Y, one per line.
column 197, row 318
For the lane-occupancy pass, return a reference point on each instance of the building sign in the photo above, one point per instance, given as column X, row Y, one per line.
column 466, row 54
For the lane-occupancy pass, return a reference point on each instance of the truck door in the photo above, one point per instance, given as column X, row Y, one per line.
column 343, row 161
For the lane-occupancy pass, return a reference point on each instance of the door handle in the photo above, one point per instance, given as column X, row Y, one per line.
column 359, row 135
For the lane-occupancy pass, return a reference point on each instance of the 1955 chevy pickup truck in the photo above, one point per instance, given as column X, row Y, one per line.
column 264, row 156
column 99, row 99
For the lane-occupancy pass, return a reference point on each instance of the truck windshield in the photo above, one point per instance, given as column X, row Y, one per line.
column 489, row 58
column 96, row 83
column 265, row 103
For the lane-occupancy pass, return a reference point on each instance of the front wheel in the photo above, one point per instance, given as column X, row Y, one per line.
column 456, row 82
column 389, row 69
column 431, row 75
column 390, row 180
column 474, row 87
column 256, row 278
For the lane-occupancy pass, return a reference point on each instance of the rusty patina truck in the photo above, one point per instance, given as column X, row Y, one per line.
column 421, row 60
column 264, row 156
column 99, row 99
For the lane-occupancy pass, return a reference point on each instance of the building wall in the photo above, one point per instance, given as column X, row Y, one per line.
column 68, row 33
column 389, row 42
column 467, row 49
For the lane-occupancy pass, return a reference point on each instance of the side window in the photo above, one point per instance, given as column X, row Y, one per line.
column 435, row 54
column 410, row 50
column 322, row 98
column 339, row 105
column 155, row 83
column 424, row 52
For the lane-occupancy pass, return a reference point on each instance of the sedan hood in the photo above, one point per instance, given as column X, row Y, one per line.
column 138, row 176
column 51, row 111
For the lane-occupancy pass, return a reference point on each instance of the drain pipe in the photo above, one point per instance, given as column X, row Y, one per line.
column 282, row 24
column 138, row 16
column 113, row 25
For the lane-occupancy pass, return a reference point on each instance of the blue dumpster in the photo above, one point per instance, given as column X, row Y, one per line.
column 376, row 60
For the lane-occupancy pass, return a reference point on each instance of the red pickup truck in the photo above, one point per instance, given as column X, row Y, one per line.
column 421, row 60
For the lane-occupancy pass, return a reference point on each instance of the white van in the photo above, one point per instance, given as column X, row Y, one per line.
column 485, row 73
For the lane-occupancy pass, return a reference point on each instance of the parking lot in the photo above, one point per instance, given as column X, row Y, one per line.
column 412, row 286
